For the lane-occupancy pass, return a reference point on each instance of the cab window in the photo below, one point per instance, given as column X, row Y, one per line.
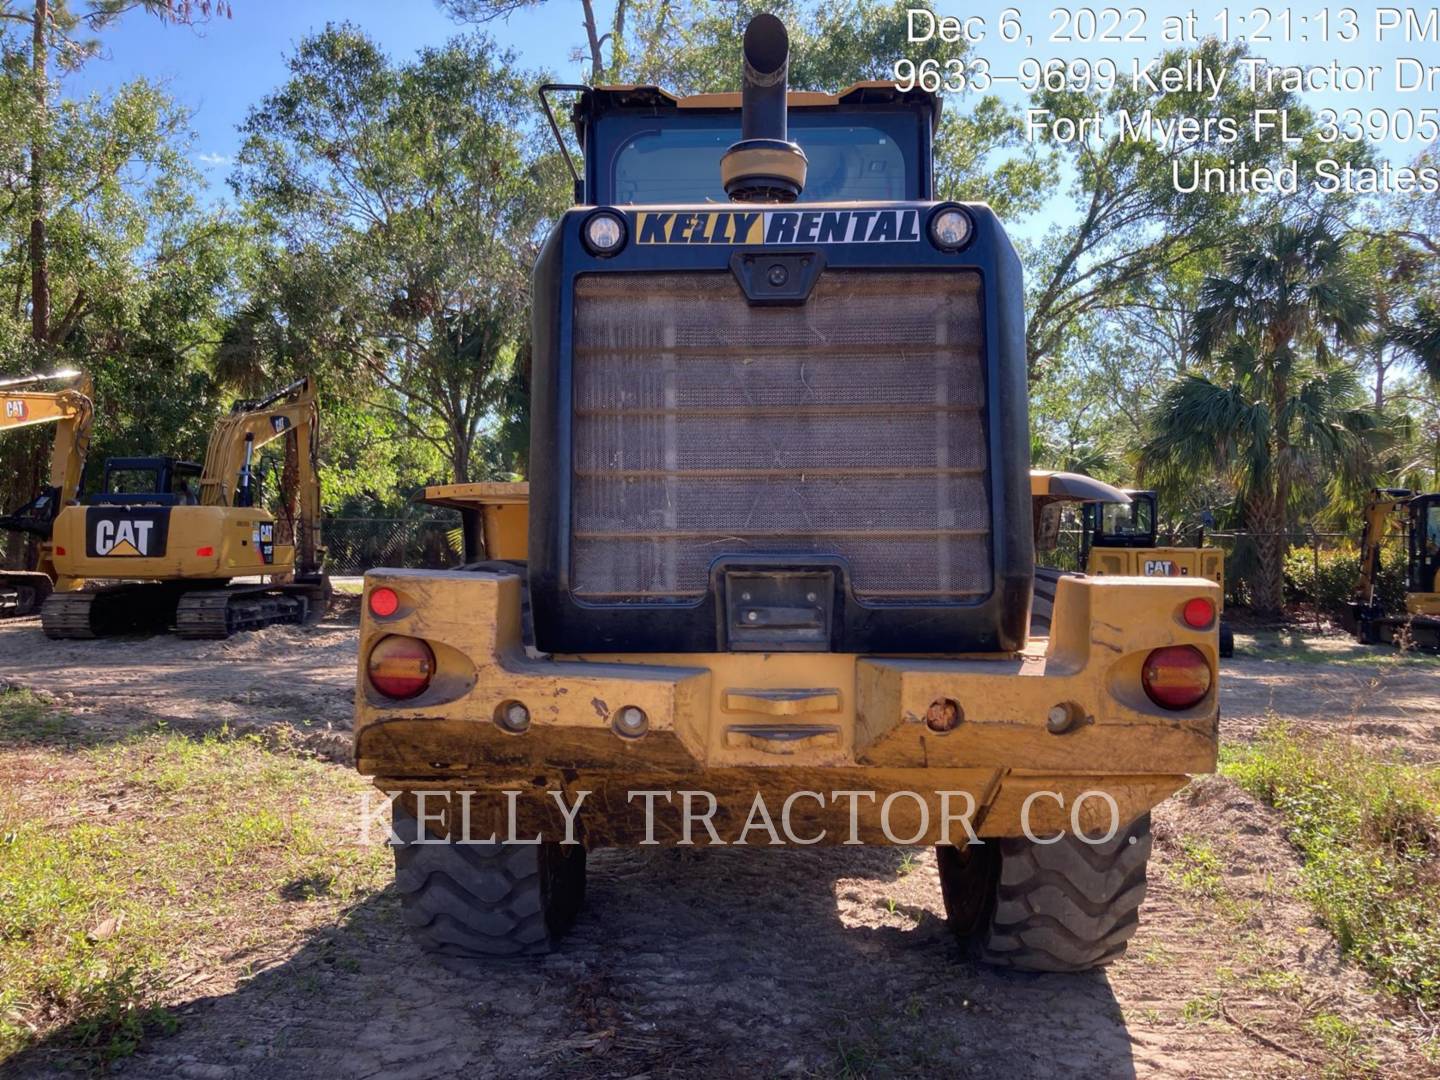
column 1127, row 519
column 132, row 482
column 855, row 155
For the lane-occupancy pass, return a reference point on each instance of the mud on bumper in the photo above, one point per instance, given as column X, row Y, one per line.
column 1032, row 732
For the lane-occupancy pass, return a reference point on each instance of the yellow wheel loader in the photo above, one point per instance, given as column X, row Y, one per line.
column 72, row 412
column 1416, row 517
column 160, row 544
column 778, row 556
column 1119, row 539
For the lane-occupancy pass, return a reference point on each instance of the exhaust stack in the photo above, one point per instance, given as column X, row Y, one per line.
column 764, row 166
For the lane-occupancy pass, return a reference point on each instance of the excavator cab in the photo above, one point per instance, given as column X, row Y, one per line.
column 148, row 481
column 1424, row 562
column 1121, row 525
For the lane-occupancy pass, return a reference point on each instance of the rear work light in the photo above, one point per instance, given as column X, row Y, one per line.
column 384, row 602
column 400, row 667
column 1198, row 613
column 1176, row 677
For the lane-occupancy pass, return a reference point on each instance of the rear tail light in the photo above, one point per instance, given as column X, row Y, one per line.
column 59, row 550
column 384, row 602
column 400, row 667
column 204, row 552
column 1176, row 677
column 1198, row 613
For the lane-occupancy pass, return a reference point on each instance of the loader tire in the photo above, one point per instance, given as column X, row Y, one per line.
column 1067, row 906
column 485, row 900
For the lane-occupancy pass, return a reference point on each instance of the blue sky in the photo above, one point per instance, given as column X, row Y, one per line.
column 220, row 70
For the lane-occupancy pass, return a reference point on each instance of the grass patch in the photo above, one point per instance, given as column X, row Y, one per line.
column 27, row 719
column 1310, row 648
column 1369, row 830
column 130, row 865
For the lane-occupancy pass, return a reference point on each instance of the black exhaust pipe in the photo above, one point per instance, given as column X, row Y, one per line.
column 764, row 166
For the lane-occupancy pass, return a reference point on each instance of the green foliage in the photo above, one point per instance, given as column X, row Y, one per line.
column 408, row 201
column 1327, row 581
column 137, row 272
column 1282, row 416
column 1369, row 830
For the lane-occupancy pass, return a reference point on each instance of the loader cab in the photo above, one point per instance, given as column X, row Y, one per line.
column 1424, row 556
column 643, row 146
column 1121, row 525
column 148, row 481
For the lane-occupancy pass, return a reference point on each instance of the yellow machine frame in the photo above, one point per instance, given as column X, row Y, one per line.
column 1063, row 717
column 1387, row 510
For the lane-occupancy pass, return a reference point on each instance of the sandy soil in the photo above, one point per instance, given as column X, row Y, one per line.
column 1332, row 684
column 771, row 963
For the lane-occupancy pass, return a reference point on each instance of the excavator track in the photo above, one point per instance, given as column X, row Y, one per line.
column 22, row 592
column 218, row 613
column 122, row 609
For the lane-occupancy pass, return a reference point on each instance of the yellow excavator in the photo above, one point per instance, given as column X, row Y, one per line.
column 1416, row 517
column 23, row 404
column 161, row 544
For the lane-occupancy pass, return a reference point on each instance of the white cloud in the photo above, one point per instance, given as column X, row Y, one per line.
column 213, row 161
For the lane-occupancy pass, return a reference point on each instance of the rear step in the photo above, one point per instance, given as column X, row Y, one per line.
column 783, row 738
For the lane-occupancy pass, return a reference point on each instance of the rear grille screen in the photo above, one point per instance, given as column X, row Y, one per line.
column 853, row 426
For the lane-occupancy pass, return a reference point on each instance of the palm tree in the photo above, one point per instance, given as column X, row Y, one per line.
column 1282, row 412
column 1419, row 337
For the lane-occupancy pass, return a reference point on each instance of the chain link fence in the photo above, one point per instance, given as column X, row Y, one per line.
column 356, row 545
column 1321, row 567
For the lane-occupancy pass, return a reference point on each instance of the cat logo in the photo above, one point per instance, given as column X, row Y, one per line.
column 778, row 227
column 123, row 537
column 16, row 410
column 1160, row 568
column 114, row 532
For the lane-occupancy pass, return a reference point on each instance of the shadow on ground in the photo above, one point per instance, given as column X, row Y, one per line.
column 829, row 962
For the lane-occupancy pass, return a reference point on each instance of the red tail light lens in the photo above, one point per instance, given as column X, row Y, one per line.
column 400, row 667
column 1198, row 613
column 204, row 552
column 384, row 602
column 59, row 550
column 1176, row 677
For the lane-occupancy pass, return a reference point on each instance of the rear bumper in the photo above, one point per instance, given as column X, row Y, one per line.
column 736, row 725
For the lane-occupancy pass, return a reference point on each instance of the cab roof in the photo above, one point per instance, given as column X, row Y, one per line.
column 597, row 99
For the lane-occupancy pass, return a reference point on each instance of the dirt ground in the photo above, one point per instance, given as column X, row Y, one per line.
column 813, row 962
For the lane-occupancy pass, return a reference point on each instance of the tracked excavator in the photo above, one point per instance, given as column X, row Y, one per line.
column 23, row 404
column 164, row 541
column 1415, row 516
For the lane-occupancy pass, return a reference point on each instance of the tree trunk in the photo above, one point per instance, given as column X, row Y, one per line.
column 460, row 458
column 39, row 258
column 1267, row 530
column 592, row 33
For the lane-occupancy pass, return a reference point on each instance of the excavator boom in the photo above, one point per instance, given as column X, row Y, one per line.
column 23, row 405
